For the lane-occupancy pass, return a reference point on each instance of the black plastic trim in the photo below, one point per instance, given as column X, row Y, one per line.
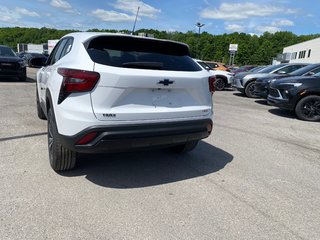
column 121, row 138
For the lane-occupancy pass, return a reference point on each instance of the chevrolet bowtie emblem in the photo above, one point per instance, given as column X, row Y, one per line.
column 166, row 82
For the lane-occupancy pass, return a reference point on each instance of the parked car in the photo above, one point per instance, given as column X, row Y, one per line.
column 11, row 66
column 217, row 66
column 262, row 84
column 41, row 58
column 104, row 92
column 245, row 68
column 245, row 83
column 223, row 78
column 300, row 94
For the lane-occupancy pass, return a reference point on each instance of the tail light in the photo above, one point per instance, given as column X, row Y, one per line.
column 211, row 81
column 75, row 80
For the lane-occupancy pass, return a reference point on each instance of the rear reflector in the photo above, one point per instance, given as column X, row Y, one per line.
column 211, row 81
column 87, row 138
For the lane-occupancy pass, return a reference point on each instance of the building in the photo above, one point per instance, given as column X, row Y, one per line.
column 52, row 44
column 150, row 35
column 305, row 52
column 34, row 48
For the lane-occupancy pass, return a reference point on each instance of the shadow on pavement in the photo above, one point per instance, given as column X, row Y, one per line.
column 16, row 80
column 238, row 94
column 262, row 102
column 228, row 89
column 282, row 113
column 150, row 168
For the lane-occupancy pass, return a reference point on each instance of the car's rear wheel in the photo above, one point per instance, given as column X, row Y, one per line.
column 40, row 112
column 60, row 157
column 249, row 90
column 186, row 147
column 308, row 108
column 219, row 84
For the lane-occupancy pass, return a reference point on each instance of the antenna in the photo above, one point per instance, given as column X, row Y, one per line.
column 135, row 21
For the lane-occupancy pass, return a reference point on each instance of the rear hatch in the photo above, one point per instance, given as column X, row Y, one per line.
column 147, row 79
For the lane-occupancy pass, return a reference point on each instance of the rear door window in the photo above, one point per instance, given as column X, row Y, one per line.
column 140, row 53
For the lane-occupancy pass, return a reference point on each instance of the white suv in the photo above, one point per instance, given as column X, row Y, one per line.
column 223, row 78
column 112, row 92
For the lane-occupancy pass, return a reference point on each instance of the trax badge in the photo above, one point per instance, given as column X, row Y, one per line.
column 109, row 115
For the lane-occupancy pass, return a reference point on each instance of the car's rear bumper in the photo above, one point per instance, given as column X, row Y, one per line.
column 138, row 136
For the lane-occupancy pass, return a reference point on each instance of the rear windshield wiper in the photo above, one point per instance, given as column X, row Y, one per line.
column 144, row 65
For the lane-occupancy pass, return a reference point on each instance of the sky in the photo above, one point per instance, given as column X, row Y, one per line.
column 219, row 16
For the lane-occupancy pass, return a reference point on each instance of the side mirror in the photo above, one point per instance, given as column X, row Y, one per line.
column 38, row 62
column 282, row 72
column 207, row 68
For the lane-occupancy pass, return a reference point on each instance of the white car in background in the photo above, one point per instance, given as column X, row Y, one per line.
column 105, row 92
column 223, row 78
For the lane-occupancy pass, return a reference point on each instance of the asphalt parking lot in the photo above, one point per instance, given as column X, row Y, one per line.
column 256, row 177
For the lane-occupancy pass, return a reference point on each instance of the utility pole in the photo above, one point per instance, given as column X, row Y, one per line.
column 199, row 25
column 135, row 21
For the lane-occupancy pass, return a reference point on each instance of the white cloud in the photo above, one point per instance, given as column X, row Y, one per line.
column 240, row 11
column 283, row 23
column 8, row 16
column 132, row 7
column 63, row 5
column 60, row 4
column 26, row 12
column 235, row 28
column 112, row 16
column 13, row 16
column 270, row 29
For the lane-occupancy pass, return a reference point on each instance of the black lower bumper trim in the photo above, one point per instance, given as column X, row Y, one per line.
column 123, row 138
column 283, row 104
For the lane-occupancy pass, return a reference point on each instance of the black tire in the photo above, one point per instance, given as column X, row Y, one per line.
column 186, row 147
column 219, row 84
column 308, row 108
column 60, row 157
column 40, row 112
column 249, row 90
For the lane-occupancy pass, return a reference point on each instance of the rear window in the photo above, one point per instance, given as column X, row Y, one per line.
column 141, row 53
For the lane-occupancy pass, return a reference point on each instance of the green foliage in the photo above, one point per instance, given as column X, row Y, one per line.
column 252, row 49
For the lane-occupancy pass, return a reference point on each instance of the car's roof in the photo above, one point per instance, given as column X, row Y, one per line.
column 84, row 36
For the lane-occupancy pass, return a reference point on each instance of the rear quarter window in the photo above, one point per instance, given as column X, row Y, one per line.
column 140, row 53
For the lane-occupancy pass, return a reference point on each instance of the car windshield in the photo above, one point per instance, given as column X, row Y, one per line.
column 270, row 68
column 204, row 65
column 304, row 70
column 257, row 69
column 7, row 52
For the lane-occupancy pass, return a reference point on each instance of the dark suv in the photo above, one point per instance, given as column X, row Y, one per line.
column 299, row 94
column 11, row 66
column 262, row 84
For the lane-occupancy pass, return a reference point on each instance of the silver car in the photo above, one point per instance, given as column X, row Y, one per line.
column 244, row 82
